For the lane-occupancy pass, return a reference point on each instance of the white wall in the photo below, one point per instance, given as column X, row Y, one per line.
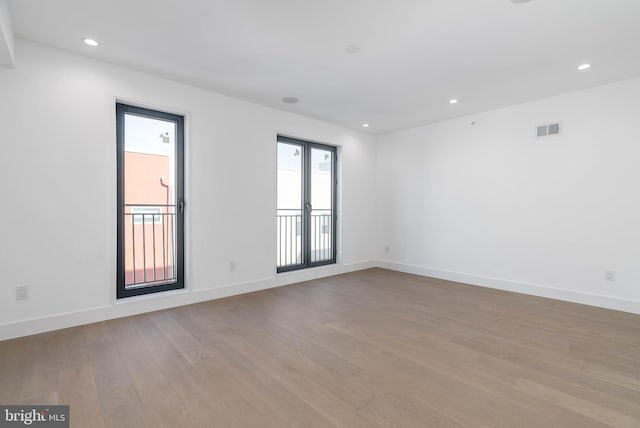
column 492, row 205
column 487, row 204
column 58, row 193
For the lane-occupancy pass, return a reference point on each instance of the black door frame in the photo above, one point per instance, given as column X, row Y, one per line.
column 306, row 147
column 121, row 110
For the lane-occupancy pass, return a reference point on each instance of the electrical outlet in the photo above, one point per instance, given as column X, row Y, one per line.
column 232, row 266
column 610, row 275
column 386, row 249
column 22, row 292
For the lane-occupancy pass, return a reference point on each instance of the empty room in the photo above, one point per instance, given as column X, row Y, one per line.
column 329, row 213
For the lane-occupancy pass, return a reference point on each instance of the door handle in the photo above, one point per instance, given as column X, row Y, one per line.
column 181, row 206
column 307, row 206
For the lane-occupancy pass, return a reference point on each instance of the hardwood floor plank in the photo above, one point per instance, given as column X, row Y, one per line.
column 119, row 402
column 589, row 409
column 283, row 347
column 284, row 402
column 323, row 401
column 160, row 401
column 78, row 390
column 40, row 372
column 12, row 363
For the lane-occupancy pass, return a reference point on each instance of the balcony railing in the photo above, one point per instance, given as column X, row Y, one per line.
column 289, row 225
column 149, row 245
column 290, row 235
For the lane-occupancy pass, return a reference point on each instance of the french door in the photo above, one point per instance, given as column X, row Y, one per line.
column 150, row 153
column 306, row 204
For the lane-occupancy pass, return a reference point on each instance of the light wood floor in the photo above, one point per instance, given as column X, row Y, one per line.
column 367, row 349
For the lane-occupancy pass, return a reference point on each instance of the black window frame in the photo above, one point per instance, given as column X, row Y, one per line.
column 306, row 193
column 121, row 110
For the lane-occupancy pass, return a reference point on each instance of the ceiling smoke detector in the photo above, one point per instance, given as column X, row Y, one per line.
column 353, row 48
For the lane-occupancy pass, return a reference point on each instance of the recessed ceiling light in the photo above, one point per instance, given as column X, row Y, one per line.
column 290, row 100
column 91, row 42
column 583, row 67
column 365, row 125
column 453, row 101
column 520, row 1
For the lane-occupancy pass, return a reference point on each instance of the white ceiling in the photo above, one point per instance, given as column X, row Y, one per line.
column 414, row 54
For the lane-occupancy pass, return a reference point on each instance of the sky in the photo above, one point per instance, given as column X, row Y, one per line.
column 143, row 135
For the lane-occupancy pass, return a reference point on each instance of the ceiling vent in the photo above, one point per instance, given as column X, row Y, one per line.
column 548, row 130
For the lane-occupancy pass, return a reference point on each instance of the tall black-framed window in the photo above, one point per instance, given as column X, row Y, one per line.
column 306, row 204
column 150, row 158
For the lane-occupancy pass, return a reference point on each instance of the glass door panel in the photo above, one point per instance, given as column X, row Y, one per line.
column 150, row 223
column 321, row 205
column 305, row 218
column 290, row 206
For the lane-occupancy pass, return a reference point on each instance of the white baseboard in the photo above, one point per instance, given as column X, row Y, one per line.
column 155, row 302
column 609, row 302
column 149, row 303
